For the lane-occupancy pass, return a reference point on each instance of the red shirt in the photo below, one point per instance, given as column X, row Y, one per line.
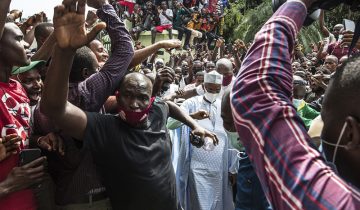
column 337, row 50
column 14, row 118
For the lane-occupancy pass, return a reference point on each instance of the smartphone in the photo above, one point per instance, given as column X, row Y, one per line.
column 349, row 25
column 29, row 155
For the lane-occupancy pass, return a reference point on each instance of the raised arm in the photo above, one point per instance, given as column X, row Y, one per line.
column 4, row 8
column 70, row 33
column 98, row 87
column 291, row 172
column 45, row 51
column 143, row 54
column 325, row 32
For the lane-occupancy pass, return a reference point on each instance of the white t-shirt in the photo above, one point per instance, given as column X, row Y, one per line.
column 164, row 20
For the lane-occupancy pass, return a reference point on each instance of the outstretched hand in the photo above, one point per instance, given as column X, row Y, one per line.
column 170, row 44
column 52, row 142
column 69, row 25
column 199, row 131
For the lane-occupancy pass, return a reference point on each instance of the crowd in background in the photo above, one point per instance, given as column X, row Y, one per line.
column 122, row 127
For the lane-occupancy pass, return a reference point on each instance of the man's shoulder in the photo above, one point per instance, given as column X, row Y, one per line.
column 101, row 118
column 192, row 101
column 13, row 88
column 160, row 106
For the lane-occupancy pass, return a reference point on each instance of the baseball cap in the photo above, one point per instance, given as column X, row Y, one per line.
column 32, row 65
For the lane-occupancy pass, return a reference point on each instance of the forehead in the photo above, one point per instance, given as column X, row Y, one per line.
column 210, row 64
column 221, row 68
column 330, row 59
column 198, row 64
column 137, row 83
column 12, row 29
column 212, row 86
column 32, row 73
column 96, row 44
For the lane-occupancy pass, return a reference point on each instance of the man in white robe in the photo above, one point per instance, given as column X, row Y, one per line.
column 203, row 176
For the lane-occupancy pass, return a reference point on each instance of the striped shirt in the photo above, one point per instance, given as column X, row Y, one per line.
column 293, row 174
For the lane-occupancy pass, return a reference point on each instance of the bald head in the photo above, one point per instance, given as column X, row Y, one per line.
column 224, row 62
column 332, row 58
column 137, row 80
column 224, row 67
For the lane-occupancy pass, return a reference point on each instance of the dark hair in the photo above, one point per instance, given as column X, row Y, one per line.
column 84, row 58
column 348, row 76
column 41, row 29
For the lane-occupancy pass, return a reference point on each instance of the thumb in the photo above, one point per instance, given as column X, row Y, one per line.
column 92, row 34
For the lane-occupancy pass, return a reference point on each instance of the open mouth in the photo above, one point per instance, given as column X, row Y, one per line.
column 35, row 96
column 104, row 59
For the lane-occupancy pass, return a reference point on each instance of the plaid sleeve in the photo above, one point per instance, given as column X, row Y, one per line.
column 98, row 87
column 292, row 173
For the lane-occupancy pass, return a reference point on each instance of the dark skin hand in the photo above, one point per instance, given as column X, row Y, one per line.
column 177, row 113
column 4, row 8
column 200, row 115
column 52, row 142
column 9, row 145
column 347, row 39
column 23, row 177
column 163, row 75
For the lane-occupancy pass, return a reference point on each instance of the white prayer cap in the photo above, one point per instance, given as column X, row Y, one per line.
column 159, row 60
column 213, row 77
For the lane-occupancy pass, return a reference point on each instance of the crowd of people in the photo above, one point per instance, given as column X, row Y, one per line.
column 199, row 21
column 218, row 126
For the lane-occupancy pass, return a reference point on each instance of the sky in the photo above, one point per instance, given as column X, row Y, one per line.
column 35, row 6
column 31, row 7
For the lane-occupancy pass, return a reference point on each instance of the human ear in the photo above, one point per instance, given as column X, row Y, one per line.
column 354, row 133
column 85, row 73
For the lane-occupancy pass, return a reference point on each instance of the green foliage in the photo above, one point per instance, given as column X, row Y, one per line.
column 244, row 26
column 243, row 23
column 337, row 15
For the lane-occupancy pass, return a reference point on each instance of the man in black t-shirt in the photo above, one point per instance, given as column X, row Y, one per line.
column 132, row 150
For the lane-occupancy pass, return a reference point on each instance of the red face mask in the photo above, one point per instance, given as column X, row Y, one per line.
column 133, row 118
column 227, row 80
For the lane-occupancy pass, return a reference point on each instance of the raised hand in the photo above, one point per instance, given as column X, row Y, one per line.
column 164, row 75
column 16, row 14
column 97, row 3
column 170, row 44
column 39, row 18
column 219, row 42
column 347, row 39
column 69, row 25
column 9, row 145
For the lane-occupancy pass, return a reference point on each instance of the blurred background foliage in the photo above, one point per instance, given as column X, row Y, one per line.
column 246, row 17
